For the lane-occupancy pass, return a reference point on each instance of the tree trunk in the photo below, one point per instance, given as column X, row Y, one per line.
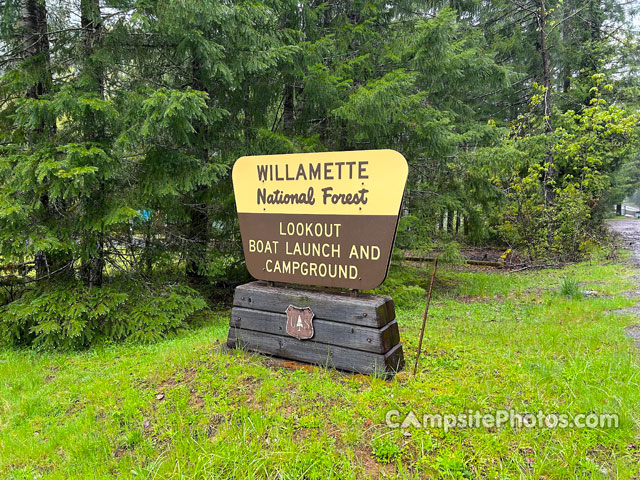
column 91, row 270
column 595, row 19
column 457, row 222
column 289, row 105
column 198, row 227
column 566, row 40
column 550, row 173
column 198, row 235
column 450, row 221
column 35, row 44
column 35, row 47
column 91, row 23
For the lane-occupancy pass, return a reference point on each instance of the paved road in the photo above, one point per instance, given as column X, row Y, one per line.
column 629, row 230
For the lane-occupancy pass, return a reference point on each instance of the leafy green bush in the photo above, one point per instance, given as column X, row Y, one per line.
column 596, row 251
column 561, row 184
column 74, row 316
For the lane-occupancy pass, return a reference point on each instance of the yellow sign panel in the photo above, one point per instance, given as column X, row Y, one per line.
column 362, row 182
column 320, row 218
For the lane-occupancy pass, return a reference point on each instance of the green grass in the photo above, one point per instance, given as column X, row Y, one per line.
column 186, row 408
column 571, row 288
column 620, row 217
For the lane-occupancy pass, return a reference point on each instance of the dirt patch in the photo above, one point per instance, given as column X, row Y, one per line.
column 300, row 434
column 121, row 451
column 372, row 468
column 195, row 400
column 487, row 254
column 213, row 426
column 600, row 457
column 292, row 365
column 634, row 449
column 633, row 331
column 635, row 310
column 245, row 392
column 176, row 379
column 75, row 407
column 468, row 299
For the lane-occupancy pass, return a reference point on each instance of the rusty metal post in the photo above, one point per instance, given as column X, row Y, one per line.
column 424, row 318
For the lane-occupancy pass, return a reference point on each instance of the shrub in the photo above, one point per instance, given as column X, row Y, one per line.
column 452, row 254
column 70, row 316
column 406, row 286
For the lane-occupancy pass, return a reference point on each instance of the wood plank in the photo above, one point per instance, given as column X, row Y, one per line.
column 377, row 340
column 394, row 358
column 366, row 311
column 317, row 353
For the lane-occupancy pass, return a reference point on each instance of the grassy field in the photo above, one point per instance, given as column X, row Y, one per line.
column 187, row 408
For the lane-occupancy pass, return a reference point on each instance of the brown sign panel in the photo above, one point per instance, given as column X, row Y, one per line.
column 300, row 322
column 325, row 219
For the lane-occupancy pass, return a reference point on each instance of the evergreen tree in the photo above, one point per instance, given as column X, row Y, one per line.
column 120, row 120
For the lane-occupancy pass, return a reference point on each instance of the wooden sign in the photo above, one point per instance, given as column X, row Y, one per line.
column 325, row 219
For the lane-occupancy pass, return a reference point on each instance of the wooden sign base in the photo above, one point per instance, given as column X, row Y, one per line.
column 353, row 334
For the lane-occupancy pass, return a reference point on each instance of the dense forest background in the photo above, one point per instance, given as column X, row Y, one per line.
column 120, row 121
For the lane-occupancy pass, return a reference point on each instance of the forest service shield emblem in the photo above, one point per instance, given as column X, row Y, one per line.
column 300, row 322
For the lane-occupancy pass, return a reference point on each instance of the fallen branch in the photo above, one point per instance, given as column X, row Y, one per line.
column 484, row 263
